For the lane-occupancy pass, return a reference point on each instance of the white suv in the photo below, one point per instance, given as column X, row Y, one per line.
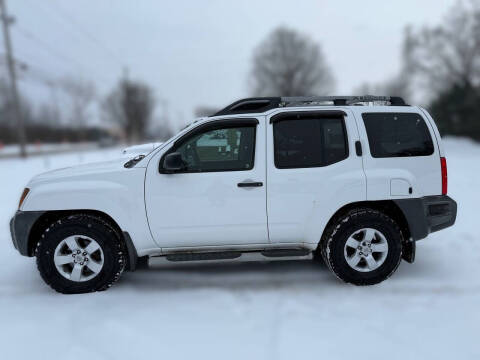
column 353, row 180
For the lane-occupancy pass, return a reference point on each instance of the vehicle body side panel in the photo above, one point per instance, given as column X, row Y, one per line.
column 118, row 192
column 295, row 203
column 200, row 209
column 420, row 173
column 301, row 201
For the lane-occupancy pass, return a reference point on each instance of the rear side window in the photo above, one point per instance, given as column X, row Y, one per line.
column 397, row 135
column 303, row 143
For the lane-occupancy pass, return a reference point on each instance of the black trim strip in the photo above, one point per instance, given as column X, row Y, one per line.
column 20, row 227
column 221, row 255
column 131, row 252
column 418, row 213
column 275, row 253
column 299, row 115
column 250, row 105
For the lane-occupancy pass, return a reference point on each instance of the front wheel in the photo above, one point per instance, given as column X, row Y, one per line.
column 364, row 247
column 80, row 253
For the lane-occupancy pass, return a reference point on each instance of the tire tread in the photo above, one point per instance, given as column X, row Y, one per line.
column 82, row 219
column 341, row 222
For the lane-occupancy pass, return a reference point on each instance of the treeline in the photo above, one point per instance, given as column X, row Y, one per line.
column 43, row 133
column 440, row 69
column 125, row 114
column 444, row 61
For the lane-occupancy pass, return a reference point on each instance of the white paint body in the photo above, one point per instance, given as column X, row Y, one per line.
column 171, row 212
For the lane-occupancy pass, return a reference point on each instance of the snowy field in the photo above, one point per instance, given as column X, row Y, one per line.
column 428, row 310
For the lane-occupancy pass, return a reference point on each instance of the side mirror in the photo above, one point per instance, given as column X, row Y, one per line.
column 173, row 162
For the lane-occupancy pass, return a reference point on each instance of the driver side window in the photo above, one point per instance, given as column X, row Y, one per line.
column 223, row 149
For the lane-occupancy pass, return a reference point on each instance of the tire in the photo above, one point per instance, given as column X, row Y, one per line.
column 378, row 251
column 100, row 267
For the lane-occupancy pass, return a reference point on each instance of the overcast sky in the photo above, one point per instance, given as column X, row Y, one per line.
column 199, row 52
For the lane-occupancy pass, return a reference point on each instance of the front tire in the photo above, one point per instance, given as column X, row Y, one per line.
column 363, row 247
column 79, row 254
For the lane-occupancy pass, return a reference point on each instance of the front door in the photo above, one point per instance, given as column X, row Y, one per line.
column 219, row 198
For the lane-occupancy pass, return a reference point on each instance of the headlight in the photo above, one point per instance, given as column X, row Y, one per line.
column 22, row 198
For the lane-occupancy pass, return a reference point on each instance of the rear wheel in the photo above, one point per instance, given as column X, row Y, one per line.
column 80, row 253
column 363, row 247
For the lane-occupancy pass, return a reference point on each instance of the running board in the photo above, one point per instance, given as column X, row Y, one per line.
column 227, row 255
column 276, row 253
column 184, row 258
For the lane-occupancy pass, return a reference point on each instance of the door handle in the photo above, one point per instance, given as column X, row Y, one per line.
column 250, row 184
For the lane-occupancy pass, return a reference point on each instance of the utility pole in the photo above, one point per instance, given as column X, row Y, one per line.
column 53, row 93
column 6, row 21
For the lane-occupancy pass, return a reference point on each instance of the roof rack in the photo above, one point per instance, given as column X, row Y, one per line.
column 262, row 104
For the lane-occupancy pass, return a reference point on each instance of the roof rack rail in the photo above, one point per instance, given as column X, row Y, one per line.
column 262, row 104
column 251, row 105
column 341, row 100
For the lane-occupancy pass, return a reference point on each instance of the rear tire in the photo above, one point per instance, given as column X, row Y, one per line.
column 97, row 266
column 363, row 247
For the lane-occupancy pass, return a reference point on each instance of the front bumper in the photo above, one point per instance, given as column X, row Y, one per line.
column 428, row 214
column 20, row 227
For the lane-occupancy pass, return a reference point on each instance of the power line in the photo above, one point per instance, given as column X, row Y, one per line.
column 72, row 22
column 88, row 34
column 20, row 64
column 34, row 72
column 44, row 45
column 48, row 49
column 53, row 52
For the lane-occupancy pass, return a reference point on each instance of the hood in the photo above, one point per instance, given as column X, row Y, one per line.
column 76, row 171
column 142, row 149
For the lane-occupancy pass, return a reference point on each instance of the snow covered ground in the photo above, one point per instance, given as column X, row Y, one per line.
column 268, row 311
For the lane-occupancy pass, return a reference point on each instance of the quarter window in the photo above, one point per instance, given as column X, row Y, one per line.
column 309, row 142
column 397, row 135
column 224, row 149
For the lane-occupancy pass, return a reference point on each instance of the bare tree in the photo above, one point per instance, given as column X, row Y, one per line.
column 48, row 115
column 288, row 63
column 204, row 110
column 81, row 94
column 130, row 105
column 7, row 115
column 449, row 53
column 398, row 85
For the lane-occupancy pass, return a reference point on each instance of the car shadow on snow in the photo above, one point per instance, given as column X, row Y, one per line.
column 245, row 276
column 260, row 275
column 296, row 275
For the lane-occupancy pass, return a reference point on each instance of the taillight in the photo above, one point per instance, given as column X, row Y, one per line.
column 443, row 163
